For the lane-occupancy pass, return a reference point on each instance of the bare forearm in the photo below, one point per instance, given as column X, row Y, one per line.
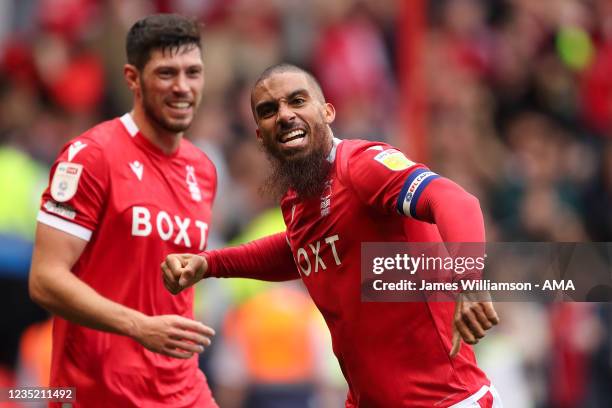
column 59, row 291
column 56, row 288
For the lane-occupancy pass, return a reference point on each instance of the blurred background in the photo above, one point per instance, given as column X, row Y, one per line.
column 510, row 98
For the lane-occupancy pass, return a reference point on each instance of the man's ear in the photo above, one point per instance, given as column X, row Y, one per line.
column 330, row 113
column 131, row 74
column 259, row 136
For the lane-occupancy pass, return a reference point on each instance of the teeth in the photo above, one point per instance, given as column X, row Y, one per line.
column 292, row 134
column 180, row 105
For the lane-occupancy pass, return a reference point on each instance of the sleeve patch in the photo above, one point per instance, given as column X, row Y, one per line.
column 393, row 160
column 412, row 190
column 60, row 209
column 65, row 181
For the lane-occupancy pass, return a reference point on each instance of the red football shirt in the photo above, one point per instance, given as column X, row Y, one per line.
column 392, row 354
column 134, row 205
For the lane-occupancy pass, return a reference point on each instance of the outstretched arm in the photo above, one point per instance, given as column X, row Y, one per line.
column 387, row 180
column 53, row 286
column 455, row 212
column 268, row 259
column 458, row 217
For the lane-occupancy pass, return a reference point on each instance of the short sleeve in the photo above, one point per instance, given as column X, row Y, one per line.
column 76, row 194
column 384, row 178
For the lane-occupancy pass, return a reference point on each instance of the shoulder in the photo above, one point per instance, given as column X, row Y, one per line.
column 190, row 150
column 369, row 156
column 96, row 140
column 356, row 147
column 93, row 149
column 193, row 153
column 106, row 134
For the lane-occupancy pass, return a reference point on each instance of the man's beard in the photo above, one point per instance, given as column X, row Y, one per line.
column 158, row 119
column 305, row 175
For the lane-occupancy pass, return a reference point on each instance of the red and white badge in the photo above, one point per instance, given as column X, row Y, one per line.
column 65, row 181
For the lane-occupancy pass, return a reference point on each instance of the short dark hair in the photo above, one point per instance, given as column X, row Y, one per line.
column 160, row 31
column 285, row 67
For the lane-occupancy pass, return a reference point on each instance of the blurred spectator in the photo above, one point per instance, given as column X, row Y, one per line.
column 268, row 351
column 21, row 180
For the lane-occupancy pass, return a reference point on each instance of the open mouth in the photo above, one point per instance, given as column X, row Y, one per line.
column 293, row 138
column 179, row 105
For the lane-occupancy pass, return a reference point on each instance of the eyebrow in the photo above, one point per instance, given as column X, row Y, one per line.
column 172, row 65
column 268, row 103
column 296, row 93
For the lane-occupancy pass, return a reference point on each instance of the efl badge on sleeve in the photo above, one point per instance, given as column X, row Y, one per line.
column 65, row 181
column 393, row 159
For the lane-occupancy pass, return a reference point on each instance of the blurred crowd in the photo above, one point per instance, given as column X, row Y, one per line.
column 517, row 109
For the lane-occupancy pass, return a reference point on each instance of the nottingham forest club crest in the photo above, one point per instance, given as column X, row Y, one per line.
column 192, row 184
column 326, row 199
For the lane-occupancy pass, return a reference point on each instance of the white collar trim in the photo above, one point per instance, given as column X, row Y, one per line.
column 331, row 157
column 129, row 124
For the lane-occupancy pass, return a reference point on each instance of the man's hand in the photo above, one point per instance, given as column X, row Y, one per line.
column 172, row 335
column 472, row 318
column 180, row 271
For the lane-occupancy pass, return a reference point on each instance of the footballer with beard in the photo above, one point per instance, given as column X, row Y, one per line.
column 334, row 195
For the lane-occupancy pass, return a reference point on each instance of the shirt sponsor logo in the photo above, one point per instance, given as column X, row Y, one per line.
column 192, row 184
column 65, row 181
column 168, row 227
column 75, row 148
column 393, row 159
column 308, row 259
column 137, row 168
column 59, row 209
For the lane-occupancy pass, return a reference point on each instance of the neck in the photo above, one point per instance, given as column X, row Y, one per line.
column 168, row 142
column 330, row 144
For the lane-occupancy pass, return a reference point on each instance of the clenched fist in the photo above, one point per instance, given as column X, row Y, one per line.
column 180, row 271
column 474, row 315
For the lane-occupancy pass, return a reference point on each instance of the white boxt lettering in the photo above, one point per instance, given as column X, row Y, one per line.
column 141, row 222
column 315, row 252
column 302, row 253
column 167, row 227
column 182, row 232
column 303, row 256
column 203, row 227
column 164, row 233
column 332, row 241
